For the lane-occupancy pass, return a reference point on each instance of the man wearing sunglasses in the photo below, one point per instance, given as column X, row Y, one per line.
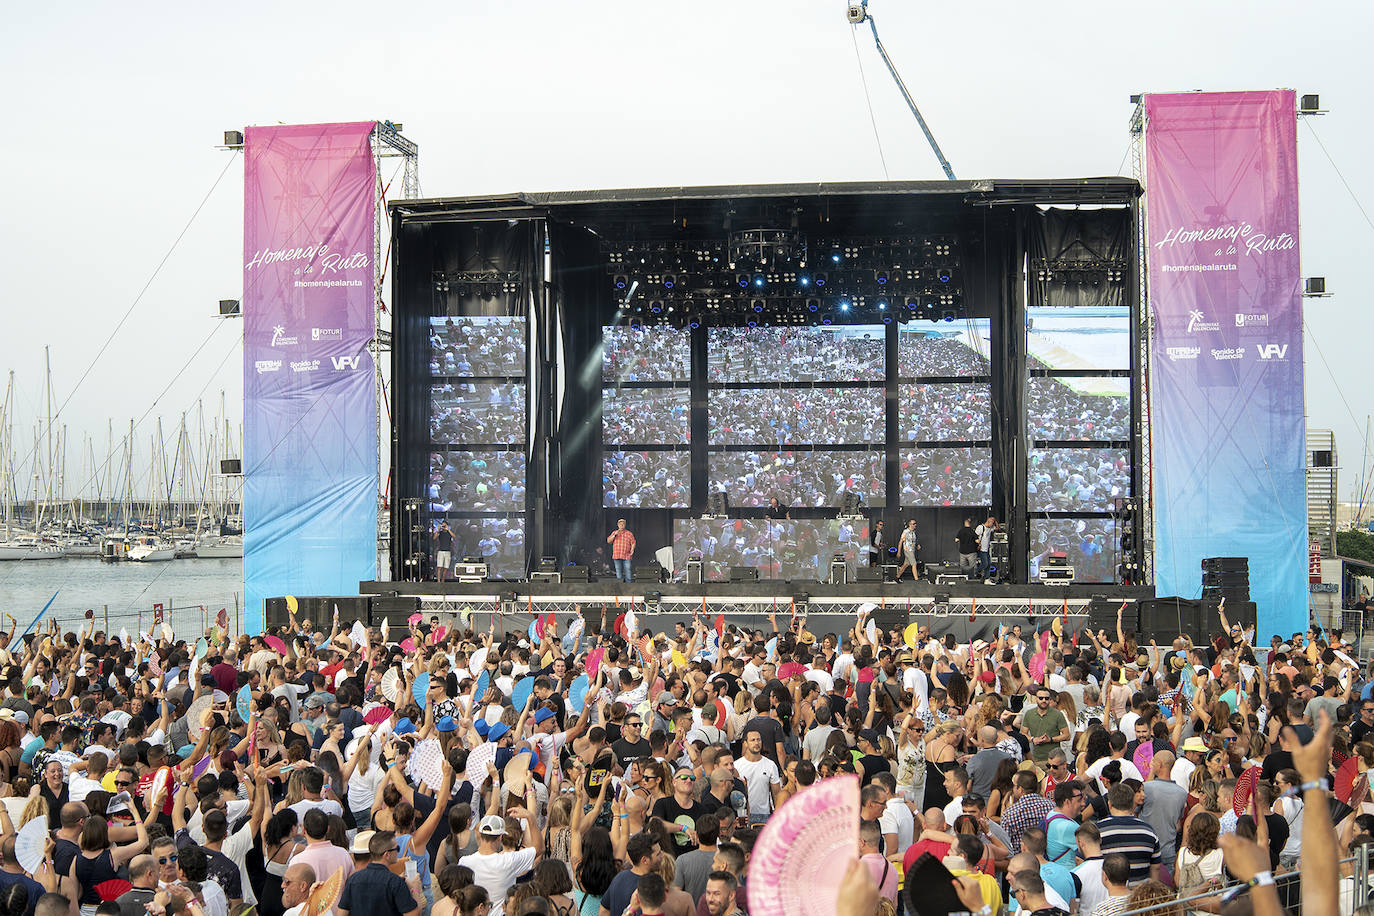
column 680, row 812
column 376, row 890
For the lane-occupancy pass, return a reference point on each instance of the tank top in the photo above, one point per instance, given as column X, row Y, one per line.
column 420, row 856
column 90, row 872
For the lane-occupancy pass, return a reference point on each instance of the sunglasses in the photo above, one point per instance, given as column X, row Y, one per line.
column 686, row 777
column 632, row 724
column 123, row 783
column 163, row 860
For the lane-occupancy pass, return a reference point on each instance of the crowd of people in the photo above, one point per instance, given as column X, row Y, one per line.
column 654, row 480
column 1055, row 411
column 1088, row 543
column 500, row 542
column 488, row 481
column 645, row 354
column 652, row 416
column 795, row 354
column 945, row 412
column 800, row 478
column 1077, row 479
column 477, row 347
column 477, row 413
column 468, row 767
column 947, row 477
column 924, row 355
column 797, row 416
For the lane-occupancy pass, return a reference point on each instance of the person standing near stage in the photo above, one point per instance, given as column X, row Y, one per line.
column 907, row 546
column 985, row 531
column 622, row 541
column 876, row 545
column 443, row 558
column 967, row 539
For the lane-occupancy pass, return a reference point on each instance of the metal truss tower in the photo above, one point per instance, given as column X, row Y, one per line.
column 1144, row 336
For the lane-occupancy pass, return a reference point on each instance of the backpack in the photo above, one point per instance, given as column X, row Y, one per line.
column 1189, row 877
column 1054, row 816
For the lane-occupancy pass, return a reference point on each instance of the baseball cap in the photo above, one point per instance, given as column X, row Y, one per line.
column 869, row 735
column 543, row 715
column 492, row 825
column 666, row 699
column 21, row 717
column 987, row 677
column 360, row 841
column 446, row 724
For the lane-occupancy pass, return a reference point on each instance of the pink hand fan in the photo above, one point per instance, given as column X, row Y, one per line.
column 804, row 850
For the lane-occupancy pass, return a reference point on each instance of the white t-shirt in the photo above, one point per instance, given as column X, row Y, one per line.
column 1182, row 772
column 820, row 676
column 1128, row 769
column 915, row 680
column 362, row 787
column 1127, row 724
column 1090, row 880
column 546, row 746
column 759, row 776
column 79, row 787
column 843, row 667
column 497, row 872
column 897, row 819
column 327, row 805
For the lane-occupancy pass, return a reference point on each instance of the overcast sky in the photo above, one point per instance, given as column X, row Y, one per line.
column 113, row 113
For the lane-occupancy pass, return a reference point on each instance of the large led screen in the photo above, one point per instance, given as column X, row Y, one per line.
column 797, row 478
column 650, row 480
column 850, row 353
column 477, row 346
column 947, row 477
column 477, row 413
column 1079, row 338
column 1089, row 544
column 486, row 481
column 944, row 349
column 797, row 416
column 645, row 416
column 1077, row 479
column 945, row 412
column 777, row 548
column 1091, row 408
column 645, row 354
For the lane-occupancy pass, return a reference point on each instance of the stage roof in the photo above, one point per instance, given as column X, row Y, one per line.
column 982, row 192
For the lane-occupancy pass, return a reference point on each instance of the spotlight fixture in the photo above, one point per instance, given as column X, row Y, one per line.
column 669, row 281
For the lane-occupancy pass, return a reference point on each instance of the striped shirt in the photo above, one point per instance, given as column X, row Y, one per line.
column 1134, row 839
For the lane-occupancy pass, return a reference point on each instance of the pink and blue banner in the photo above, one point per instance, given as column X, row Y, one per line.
column 310, row 409
column 1226, row 386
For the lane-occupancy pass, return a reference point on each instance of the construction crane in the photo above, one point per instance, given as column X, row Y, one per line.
column 857, row 14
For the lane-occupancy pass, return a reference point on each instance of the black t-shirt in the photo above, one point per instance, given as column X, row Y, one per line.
column 968, row 540
column 63, row 856
column 219, row 868
column 672, row 813
column 446, row 540
column 1278, row 760
column 627, row 750
column 1358, row 731
column 727, row 684
column 874, row 764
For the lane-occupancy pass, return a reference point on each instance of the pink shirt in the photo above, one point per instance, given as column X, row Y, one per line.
column 887, row 886
column 326, row 859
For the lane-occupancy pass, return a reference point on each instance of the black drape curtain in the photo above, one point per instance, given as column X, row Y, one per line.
column 1063, row 237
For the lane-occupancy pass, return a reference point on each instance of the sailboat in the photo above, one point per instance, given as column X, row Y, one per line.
column 16, row 546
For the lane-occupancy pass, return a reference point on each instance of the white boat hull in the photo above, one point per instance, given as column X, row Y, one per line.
column 144, row 554
column 29, row 552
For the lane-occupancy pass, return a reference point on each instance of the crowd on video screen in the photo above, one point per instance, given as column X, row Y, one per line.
column 958, row 412
column 777, row 548
column 645, row 416
column 947, row 477
column 797, row 478
column 1054, row 410
column 476, row 481
column 1077, row 479
column 498, row 541
column 795, row 354
column 1089, row 544
column 645, row 354
column 472, row 413
column 651, row 480
column 942, row 353
column 797, row 416
column 477, row 346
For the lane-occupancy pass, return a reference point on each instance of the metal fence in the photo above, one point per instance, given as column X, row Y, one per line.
column 1354, row 892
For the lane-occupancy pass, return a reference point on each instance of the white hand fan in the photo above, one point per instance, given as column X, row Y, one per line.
column 166, row 631
column 476, row 660
column 478, row 759
column 390, row 685
column 28, row 845
column 193, row 726
column 386, row 630
column 427, row 763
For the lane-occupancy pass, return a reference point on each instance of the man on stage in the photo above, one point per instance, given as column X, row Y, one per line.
column 622, row 541
column 984, row 532
column 443, row 558
column 907, row 546
column 876, row 545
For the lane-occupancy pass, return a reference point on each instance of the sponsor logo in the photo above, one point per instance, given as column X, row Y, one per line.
column 344, row 362
column 1244, row 320
column 1195, row 322
column 1177, row 353
column 326, row 333
column 279, row 338
column 267, row 365
column 1221, row 353
column 305, row 365
column 1272, row 351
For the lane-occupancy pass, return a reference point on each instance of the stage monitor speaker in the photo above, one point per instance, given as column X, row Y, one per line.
column 1102, row 615
column 650, row 572
column 744, row 574
column 1165, row 618
column 892, row 617
column 575, row 574
column 868, row 574
column 319, row 611
column 1226, row 564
